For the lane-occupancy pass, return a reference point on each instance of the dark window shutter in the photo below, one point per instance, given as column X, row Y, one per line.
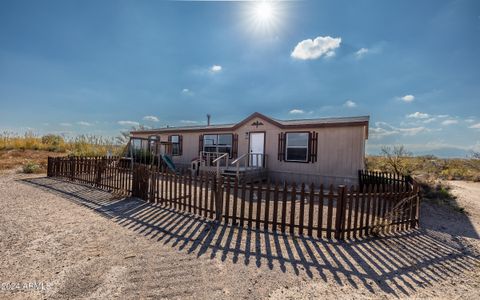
column 169, row 147
column 281, row 146
column 200, row 144
column 235, row 146
column 313, row 146
column 180, row 145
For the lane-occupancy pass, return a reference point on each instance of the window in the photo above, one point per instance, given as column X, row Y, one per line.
column 221, row 143
column 297, row 146
column 176, row 141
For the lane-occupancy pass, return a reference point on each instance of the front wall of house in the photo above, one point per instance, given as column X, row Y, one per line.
column 341, row 152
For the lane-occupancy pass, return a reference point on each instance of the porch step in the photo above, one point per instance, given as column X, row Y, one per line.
column 244, row 175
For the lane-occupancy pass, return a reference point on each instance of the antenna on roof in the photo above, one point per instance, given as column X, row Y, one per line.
column 208, row 119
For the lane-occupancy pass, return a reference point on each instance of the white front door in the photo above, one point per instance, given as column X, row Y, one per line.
column 257, row 149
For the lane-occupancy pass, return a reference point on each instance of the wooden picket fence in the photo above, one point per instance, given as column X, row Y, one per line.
column 394, row 181
column 106, row 173
column 317, row 211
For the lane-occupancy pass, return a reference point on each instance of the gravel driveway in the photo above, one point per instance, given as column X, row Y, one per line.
column 63, row 240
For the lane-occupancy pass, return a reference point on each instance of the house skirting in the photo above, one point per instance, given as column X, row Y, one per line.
column 316, row 179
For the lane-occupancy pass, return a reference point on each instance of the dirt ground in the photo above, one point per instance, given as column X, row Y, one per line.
column 61, row 240
column 468, row 197
column 11, row 159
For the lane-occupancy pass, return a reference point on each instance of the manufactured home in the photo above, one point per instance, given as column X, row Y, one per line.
column 321, row 151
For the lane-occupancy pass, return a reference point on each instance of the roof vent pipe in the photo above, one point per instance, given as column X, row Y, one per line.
column 208, row 119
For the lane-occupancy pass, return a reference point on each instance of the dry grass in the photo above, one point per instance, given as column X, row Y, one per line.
column 26, row 159
column 83, row 145
column 30, row 152
column 431, row 172
column 431, row 167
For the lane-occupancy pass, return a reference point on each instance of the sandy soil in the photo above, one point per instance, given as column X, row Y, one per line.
column 468, row 197
column 12, row 159
column 77, row 242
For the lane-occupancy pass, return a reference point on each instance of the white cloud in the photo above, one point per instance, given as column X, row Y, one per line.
column 188, row 122
column 296, row 111
column 216, row 68
column 66, row 124
column 350, row 104
column 418, row 115
column 187, row 92
column 475, row 126
column 413, row 131
column 361, row 53
column 379, row 133
column 408, row 98
column 470, row 120
column 383, row 129
column 128, row 123
column 429, row 120
column 151, row 119
column 330, row 54
column 83, row 123
column 449, row 122
column 313, row 49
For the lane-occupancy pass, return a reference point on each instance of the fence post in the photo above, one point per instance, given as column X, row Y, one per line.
column 72, row 168
column 360, row 180
column 57, row 166
column 340, row 213
column 218, row 188
column 416, row 190
column 98, row 168
column 49, row 167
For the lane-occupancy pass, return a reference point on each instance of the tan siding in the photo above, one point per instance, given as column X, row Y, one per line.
column 341, row 152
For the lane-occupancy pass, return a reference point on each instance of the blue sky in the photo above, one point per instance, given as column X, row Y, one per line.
column 101, row 66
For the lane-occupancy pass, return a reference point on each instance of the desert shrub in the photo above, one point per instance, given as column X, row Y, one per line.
column 439, row 193
column 53, row 142
column 31, row 167
column 52, row 139
column 395, row 160
column 430, row 167
column 91, row 145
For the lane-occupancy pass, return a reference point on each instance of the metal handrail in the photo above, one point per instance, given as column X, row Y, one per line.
column 206, row 157
column 217, row 161
column 220, row 157
column 238, row 159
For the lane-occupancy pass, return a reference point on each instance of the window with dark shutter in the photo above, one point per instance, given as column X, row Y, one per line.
column 218, row 143
column 297, row 146
column 281, row 146
column 176, row 144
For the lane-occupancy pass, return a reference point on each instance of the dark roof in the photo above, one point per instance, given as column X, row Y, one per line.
column 298, row 123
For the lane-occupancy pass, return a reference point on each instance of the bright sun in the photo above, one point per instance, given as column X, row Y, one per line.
column 264, row 12
column 264, row 16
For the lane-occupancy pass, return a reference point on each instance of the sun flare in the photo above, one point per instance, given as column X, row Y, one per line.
column 263, row 11
column 264, row 16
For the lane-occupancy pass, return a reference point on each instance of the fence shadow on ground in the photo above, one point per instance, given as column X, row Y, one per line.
column 399, row 265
